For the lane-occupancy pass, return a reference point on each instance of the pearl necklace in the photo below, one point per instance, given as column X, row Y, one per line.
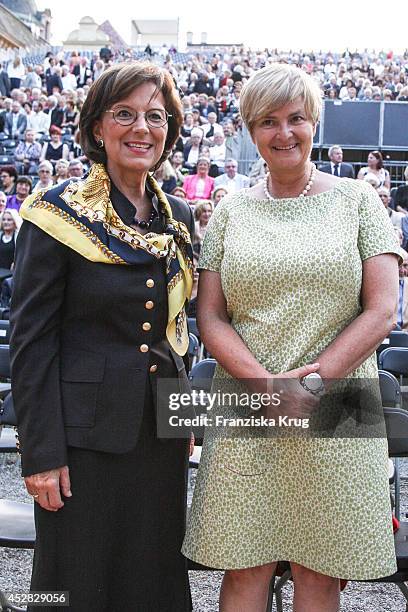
column 301, row 195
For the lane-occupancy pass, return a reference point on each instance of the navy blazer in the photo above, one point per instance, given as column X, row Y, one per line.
column 79, row 332
column 346, row 170
column 21, row 124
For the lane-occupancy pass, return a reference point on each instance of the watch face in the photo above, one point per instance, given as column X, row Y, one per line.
column 313, row 381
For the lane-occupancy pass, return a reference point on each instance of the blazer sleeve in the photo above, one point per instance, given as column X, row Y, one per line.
column 23, row 124
column 188, row 187
column 35, row 315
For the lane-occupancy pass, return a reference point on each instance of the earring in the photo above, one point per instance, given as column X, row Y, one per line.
column 100, row 143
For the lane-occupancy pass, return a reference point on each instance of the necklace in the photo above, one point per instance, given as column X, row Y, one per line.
column 145, row 224
column 301, row 195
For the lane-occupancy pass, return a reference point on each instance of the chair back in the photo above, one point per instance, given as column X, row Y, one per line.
column 201, row 375
column 390, row 389
column 4, row 332
column 398, row 338
column 4, row 362
column 192, row 326
column 17, row 528
column 193, row 345
column 395, row 360
column 193, row 349
column 396, row 423
column 7, row 412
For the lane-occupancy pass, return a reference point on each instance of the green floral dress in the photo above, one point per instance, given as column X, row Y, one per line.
column 291, row 274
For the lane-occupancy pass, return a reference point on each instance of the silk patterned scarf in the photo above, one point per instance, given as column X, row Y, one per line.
column 83, row 218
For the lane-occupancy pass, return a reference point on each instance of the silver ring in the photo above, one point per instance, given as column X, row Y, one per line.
column 35, row 496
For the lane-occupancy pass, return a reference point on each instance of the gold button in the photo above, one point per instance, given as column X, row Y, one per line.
column 150, row 282
column 144, row 348
column 149, row 305
column 153, row 368
column 146, row 326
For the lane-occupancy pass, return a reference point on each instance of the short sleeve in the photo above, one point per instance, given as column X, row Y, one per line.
column 376, row 233
column 212, row 251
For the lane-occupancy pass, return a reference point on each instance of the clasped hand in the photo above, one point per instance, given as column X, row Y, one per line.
column 290, row 399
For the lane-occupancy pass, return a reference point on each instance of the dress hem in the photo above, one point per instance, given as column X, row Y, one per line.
column 305, row 564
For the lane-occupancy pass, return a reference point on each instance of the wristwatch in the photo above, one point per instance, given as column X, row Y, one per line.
column 313, row 383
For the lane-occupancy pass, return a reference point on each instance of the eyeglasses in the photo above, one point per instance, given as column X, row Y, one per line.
column 155, row 117
column 44, row 171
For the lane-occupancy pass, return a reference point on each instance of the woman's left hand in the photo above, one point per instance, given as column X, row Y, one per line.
column 191, row 449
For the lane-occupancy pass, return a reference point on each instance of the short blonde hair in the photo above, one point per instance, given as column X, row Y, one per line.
column 199, row 208
column 274, row 86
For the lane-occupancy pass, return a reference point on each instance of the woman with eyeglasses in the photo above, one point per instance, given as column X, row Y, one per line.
column 103, row 274
column 8, row 178
column 45, row 173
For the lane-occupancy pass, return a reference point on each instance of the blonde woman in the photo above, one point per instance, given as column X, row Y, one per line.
column 61, row 171
column 16, row 72
column 298, row 286
column 202, row 213
column 166, row 177
column 45, row 174
column 10, row 223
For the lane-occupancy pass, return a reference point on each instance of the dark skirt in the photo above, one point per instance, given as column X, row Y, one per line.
column 115, row 545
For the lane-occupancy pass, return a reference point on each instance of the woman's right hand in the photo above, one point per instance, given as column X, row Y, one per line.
column 46, row 487
column 295, row 401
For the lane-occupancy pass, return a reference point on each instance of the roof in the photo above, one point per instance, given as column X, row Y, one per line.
column 15, row 31
column 22, row 7
column 156, row 26
column 115, row 38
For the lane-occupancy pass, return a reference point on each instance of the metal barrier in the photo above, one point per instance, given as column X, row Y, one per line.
column 356, row 127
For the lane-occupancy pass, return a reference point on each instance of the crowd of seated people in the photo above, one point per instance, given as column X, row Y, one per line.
column 40, row 110
column 48, row 95
column 41, row 101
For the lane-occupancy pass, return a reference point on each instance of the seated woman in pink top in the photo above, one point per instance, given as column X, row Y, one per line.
column 199, row 186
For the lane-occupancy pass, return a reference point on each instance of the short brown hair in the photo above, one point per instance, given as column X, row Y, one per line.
column 26, row 180
column 10, row 170
column 111, row 87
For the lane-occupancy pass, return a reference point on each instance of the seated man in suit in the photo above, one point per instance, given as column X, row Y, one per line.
column 16, row 121
column 336, row 166
column 231, row 180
